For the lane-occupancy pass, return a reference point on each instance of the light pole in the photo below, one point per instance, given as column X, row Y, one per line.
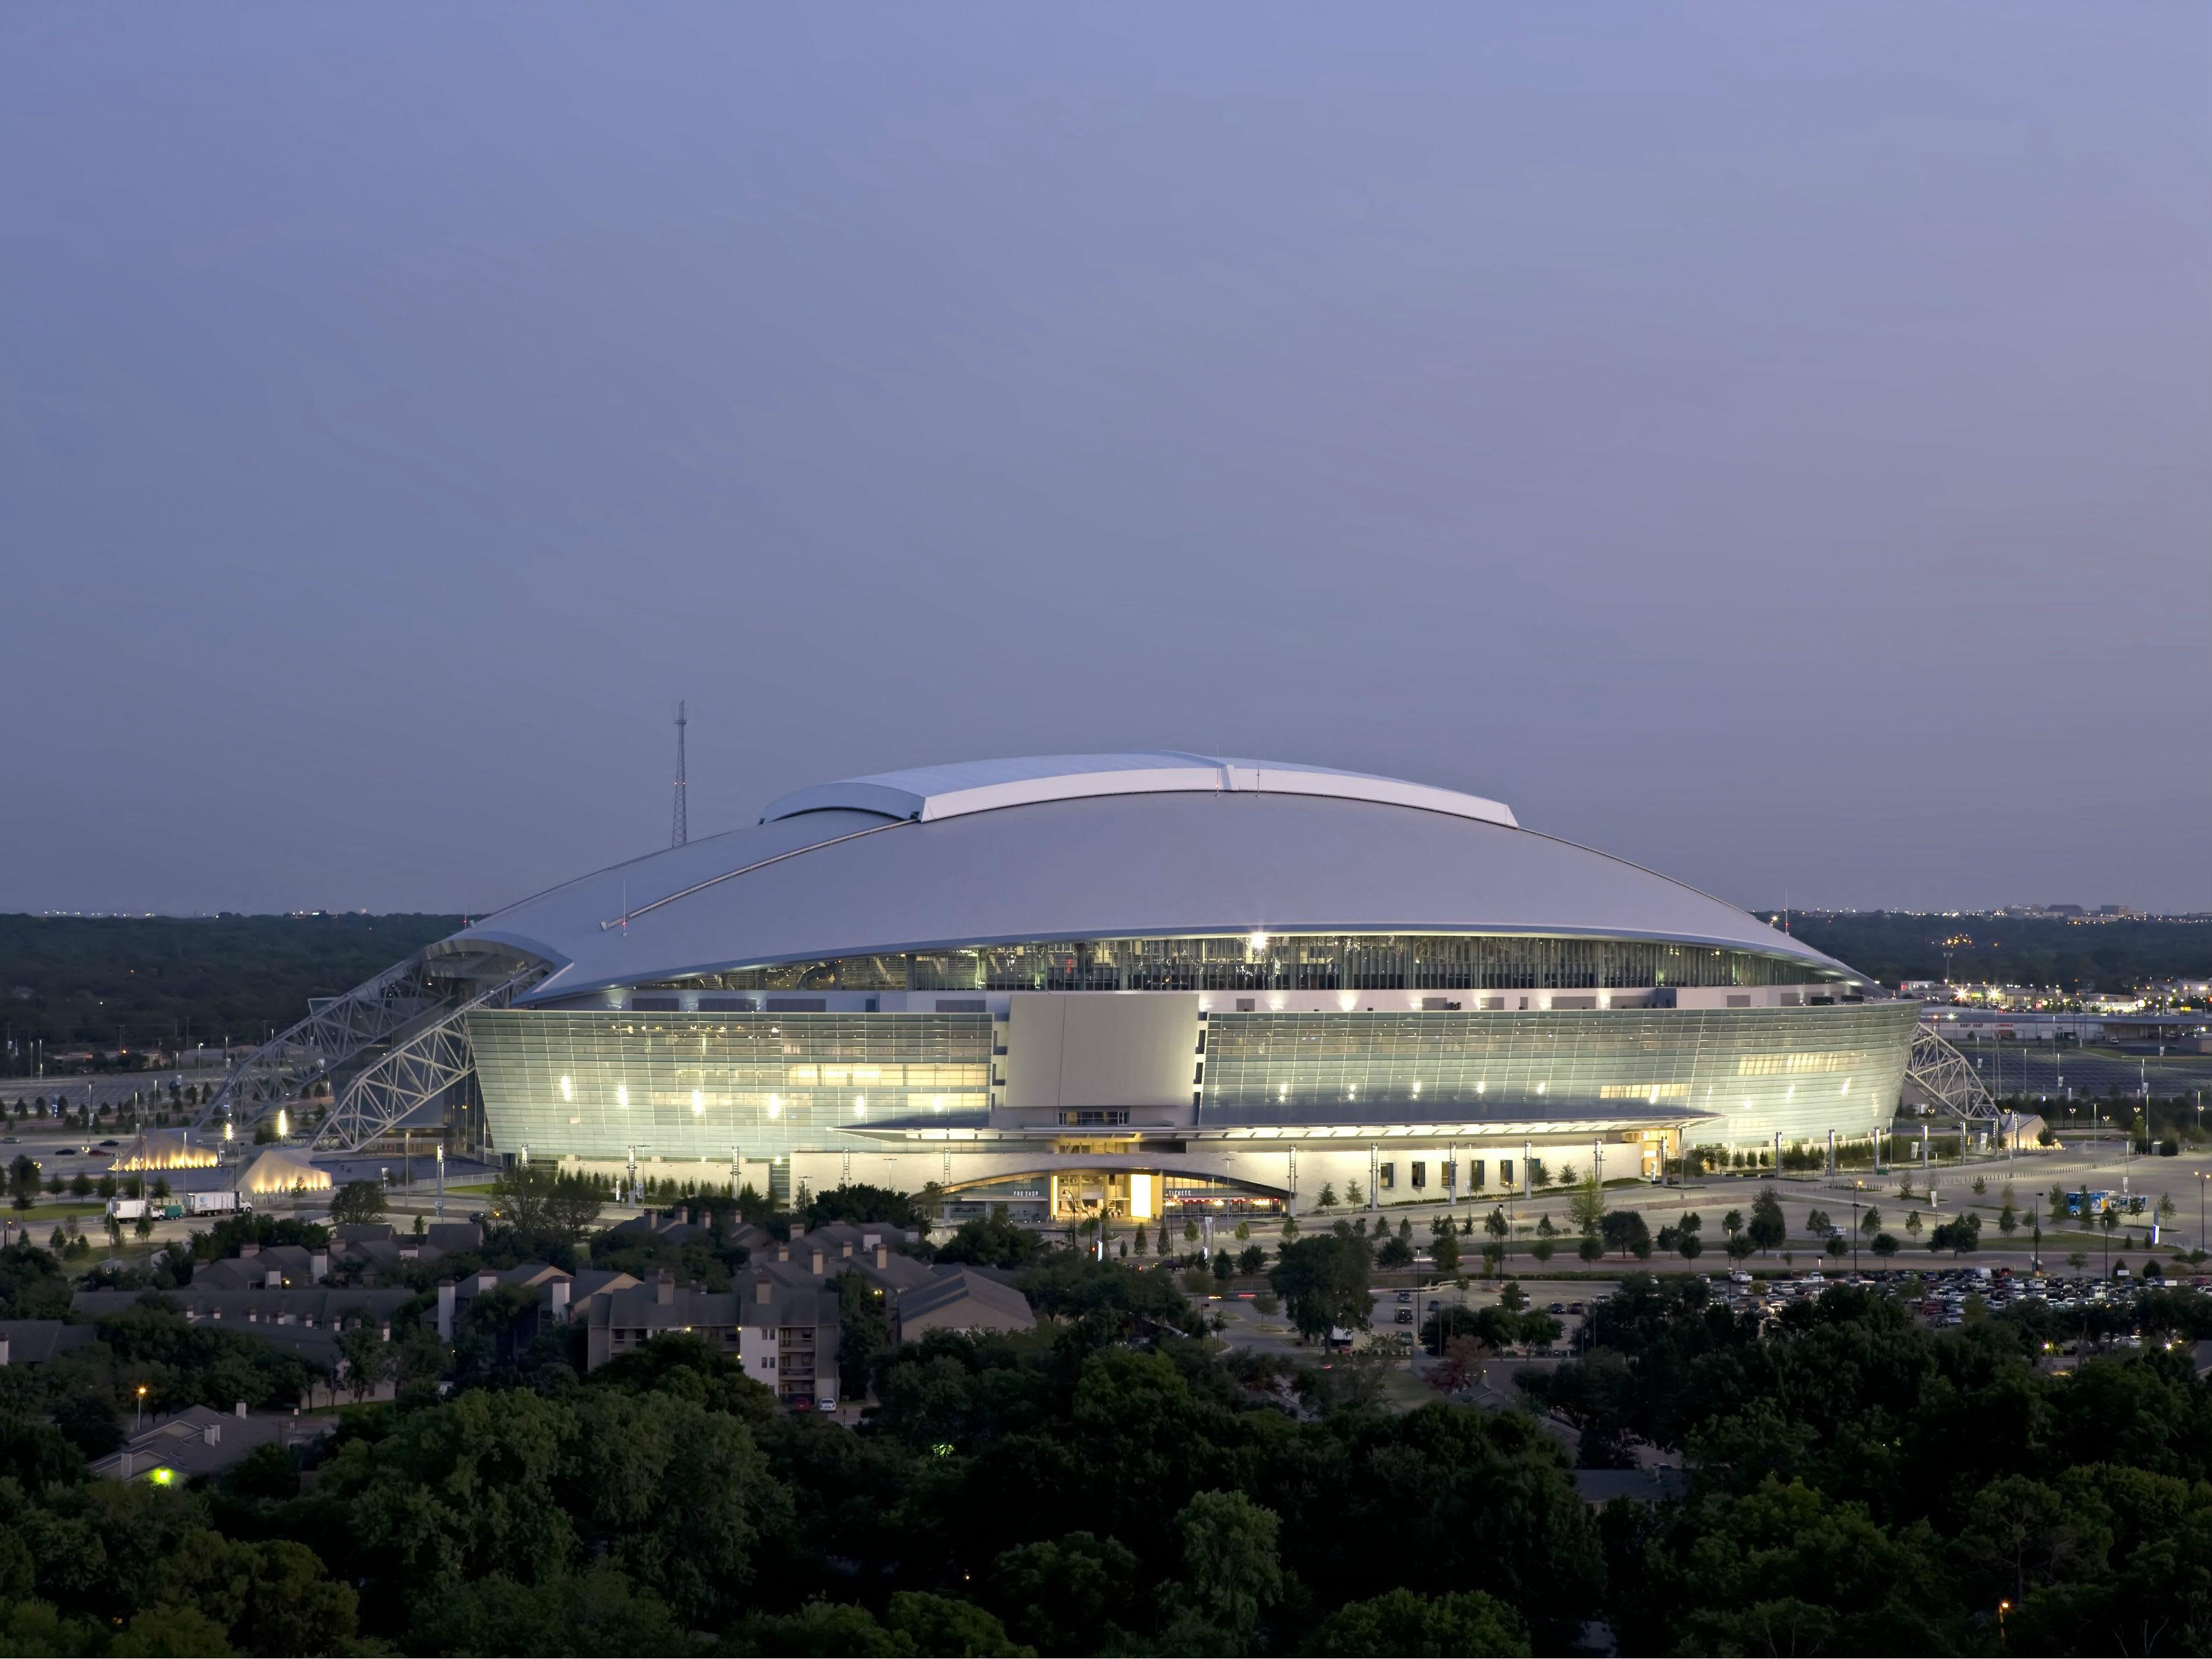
column 141, row 1420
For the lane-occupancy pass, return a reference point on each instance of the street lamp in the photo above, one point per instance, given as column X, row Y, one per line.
column 140, row 1421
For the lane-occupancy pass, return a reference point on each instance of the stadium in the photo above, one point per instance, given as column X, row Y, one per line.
column 1119, row 984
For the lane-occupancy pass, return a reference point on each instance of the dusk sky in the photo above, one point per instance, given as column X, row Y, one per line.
column 1771, row 443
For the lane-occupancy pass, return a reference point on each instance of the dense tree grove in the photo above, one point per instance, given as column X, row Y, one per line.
column 1118, row 1482
column 160, row 978
column 1864, row 1486
column 1895, row 945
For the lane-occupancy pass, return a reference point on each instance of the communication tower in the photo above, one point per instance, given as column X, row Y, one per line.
column 680, row 831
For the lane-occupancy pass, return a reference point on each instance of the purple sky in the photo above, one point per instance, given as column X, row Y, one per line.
column 1773, row 443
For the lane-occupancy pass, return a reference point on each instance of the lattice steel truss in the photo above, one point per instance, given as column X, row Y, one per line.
column 1943, row 1078
column 420, row 1069
column 334, row 1031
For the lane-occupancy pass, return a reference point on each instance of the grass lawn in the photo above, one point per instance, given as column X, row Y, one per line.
column 56, row 1210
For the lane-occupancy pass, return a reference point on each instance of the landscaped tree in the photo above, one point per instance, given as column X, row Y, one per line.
column 1445, row 1252
column 1324, row 1282
column 1627, row 1233
column 1587, row 1208
column 357, row 1202
column 1912, row 1223
column 1767, row 1230
column 1883, row 1245
column 1870, row 1222
column 1326, row 1201
column 1958, row 1236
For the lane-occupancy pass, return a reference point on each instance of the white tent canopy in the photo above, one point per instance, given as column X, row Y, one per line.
column 276, row 1171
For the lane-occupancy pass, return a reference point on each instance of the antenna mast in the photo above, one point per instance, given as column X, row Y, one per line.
column 680, row 831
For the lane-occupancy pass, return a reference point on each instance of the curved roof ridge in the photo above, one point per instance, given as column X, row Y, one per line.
column 927, row 793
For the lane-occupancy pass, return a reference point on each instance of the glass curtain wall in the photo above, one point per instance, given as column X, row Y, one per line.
column 1791, row 1070
column 609, row 1084
column 1290, row 962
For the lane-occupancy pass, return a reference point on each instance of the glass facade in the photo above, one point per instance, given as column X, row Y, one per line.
column 1284, row 962
column 1798, row 1072
column 606, row 1084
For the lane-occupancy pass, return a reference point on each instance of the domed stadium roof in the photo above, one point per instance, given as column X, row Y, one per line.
column 1095, row 847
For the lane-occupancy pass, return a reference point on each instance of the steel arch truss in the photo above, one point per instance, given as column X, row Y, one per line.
column 423, row 1068
column 1941, row 1077
column 334, row 1031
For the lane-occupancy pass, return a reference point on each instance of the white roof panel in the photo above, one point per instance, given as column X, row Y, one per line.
column 930, row 793
column 831, row 878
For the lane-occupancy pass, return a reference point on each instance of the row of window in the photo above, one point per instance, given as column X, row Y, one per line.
column 1290, row 962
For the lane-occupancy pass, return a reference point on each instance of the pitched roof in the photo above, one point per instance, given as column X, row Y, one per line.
column 686, row 1310
column 197, row 1440
column 35, row 1341
column 956, row 1299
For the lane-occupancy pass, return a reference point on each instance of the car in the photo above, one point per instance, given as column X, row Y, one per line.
column 827, row 1402
column 1574, row 1307
column 1405, row 1296
column 9, row 1140
column 1557, row 1308
column 1405, row 1316
column 111, row 1143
